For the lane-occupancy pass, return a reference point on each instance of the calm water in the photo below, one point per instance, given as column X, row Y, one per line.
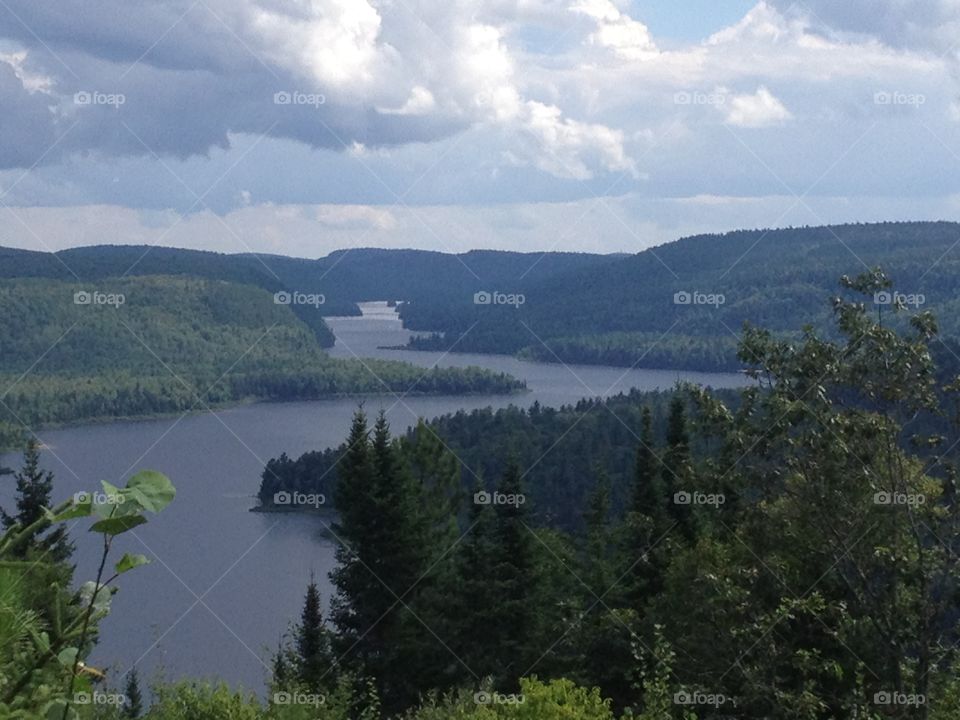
column 225, row 583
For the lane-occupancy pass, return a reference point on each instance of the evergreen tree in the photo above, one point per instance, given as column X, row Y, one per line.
column 475, row 605
column 649, row 494
column 437, row 484
column 677, row 468
column 34, row 489
column 382, row 524
column 280, row 667
column 314, row 658
column 513, row 575
column 354, row 608
column 133, row 700
column 646, row 523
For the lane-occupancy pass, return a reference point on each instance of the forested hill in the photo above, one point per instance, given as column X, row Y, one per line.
column 623, row 311
column 138, row 346
column 344, row 278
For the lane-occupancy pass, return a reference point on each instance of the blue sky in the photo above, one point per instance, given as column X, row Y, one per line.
column 305, row 126
column 688, row 20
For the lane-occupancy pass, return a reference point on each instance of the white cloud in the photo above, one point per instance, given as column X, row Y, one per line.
column 565, row 147
column 616, row 31
column 420, row 102
column 355, row 216
column 759, row 110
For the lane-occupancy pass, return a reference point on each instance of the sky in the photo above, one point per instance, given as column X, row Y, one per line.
column 305, row 126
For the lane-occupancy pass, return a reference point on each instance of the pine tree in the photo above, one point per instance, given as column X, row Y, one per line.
column 604, row 656
column 381, row 523
column 513, row 575
column 352, row 611
column 646, row 523
column 649, row 496
column 133, row 700
column 437, row 484
column 34, row 489
column 475, row 604
column 314, row 658
column 677, row 467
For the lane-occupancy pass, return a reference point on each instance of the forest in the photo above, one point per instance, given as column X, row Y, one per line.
column 786, row 552
column 630, row 311
column 166, row 344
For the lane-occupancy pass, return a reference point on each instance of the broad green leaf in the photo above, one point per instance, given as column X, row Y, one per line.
column 129, row 562
column 153, row 490
column 118, row 525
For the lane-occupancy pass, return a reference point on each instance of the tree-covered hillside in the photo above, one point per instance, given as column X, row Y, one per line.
column 344, row 278
column 683, row 304
column 145, row 345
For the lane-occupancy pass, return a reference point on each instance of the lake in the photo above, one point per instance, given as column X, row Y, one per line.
column 225, row 583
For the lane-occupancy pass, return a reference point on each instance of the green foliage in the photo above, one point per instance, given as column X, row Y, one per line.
column 45, row 629
column 34, row 488
column 536, row 700
column 560, row 475
column 621, row 310
column 176, row 345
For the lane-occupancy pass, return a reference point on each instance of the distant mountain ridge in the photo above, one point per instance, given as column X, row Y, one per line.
column 623, row 311
column 577, row 308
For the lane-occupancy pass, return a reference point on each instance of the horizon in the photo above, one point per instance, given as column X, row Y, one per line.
column 722, row 233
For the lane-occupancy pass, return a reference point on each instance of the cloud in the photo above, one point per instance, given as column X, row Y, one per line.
column 759, row 110
column 26, row 123
column 927, row 25
column 355, row 216
column 194, row 75
column 626, row 37
column 627, row 223
column 565, row 147
column 521, row 103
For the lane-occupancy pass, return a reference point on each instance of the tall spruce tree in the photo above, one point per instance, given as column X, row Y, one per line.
column 646, row 523
column 34, row 490
column 357, row 605
column 314, row 657
column 382, row 525
column 514, row 577
column 677, row 467
column 475, row 604
column 604, row 656
column 437, row 483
